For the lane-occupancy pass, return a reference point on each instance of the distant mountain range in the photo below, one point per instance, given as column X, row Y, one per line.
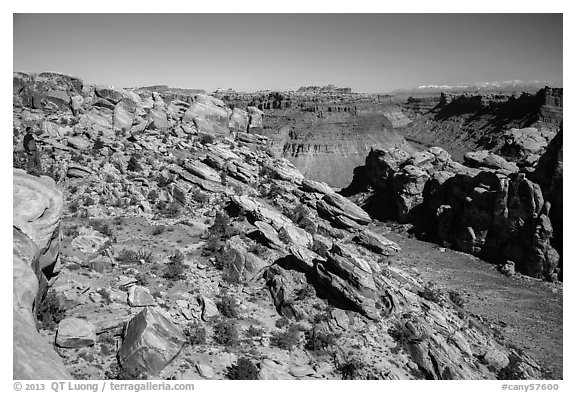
column 500, row 86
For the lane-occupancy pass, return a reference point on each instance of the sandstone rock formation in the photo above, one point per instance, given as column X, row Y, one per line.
column 486, row 209
column 225, row 251
column 150, row 342
column 37, row 207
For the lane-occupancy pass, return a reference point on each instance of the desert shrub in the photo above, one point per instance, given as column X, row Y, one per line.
column 457, row 299
column 307, row 291
column 227, row 306
column 164, row 181
column 132, row 257
column 402, row 335
column 73, row 206
column 317, row 340
column 101, row 227
column 244, row 369
column 153, row 196
column 158, row 229
column 225, row 333
column 134, row 164
column 512, row 371
column 141, row 279
column 118, row 373
column 49, row 314
column 323, row 316
column 356, row 369
column 88, row 201
column 145, row 256
column 127, row 256
column 102, row 250
column 171, row 210
column 199, row 196
column 432, row 293
column 286, row 339
column 254, row 331
column 207, row 139
column 98, row 144
column 118, row 220
column 258, row 249
column 176, row 268
column 71, row 232
column 282, row 322
column 221, row 230
column 196, row 333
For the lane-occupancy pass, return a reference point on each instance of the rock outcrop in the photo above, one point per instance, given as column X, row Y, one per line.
column 37, row 208
column 486, row 209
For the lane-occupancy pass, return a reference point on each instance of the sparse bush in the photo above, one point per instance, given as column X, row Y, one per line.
column 118, row 373
column 207, row 139
column 307, row 291
column 199, row 196
column 225, row 333
column 282, row 322
column 171, row 210
column 244, row 369
column 101, row 227
column 227, row 306
column 196, row 334
column 158, row 229
column 134, row 164
column 88, row 201
column 286, row 339
column 175, row 268
column 105, row 247
column 254, row 331
column 432, row 293
column 74, row 206
column 71, row 232
column 127, row 256
column 457, row 299
column 49, row 314
column 119, row 220
column 98, row 144
column 153, row 196
column 317, row 340
column 402, row 335
column 145, row 256
column 356, row 369
column 512, row 371
column 258, row 249
column 141, row 279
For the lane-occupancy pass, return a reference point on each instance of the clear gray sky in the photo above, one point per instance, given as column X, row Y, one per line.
column 247, row 52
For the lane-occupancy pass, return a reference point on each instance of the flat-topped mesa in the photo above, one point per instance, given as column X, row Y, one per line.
column 490, row 210
column 462, row 123
column 37, row 208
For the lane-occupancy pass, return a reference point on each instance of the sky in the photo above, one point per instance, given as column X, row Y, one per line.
column 368, row 52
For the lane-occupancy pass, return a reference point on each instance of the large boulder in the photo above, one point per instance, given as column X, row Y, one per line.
column 486, row 159
column 241, row 265
column 255, row 119
column 335, row 205
column 150, row 343
column 208, row 114
column 238, row 120
column 75, row 333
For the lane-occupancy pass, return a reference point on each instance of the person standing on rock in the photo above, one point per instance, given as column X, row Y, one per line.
column 31, row 148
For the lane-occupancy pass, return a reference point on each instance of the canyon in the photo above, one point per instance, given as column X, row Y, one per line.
column 172, row 234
